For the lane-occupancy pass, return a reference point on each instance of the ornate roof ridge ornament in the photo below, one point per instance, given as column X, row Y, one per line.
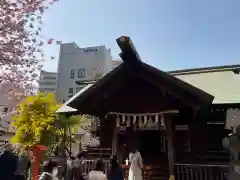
column 129, row 53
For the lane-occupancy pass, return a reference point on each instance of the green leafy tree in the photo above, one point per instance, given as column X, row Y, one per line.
column 65, row 135
column 35, row 121
column 74, row 122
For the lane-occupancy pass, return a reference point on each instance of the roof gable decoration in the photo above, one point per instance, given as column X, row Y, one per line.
column 129, row 53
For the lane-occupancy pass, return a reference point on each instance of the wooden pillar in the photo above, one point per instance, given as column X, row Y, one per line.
column 198, row 133
column 135, row 137
column 169, row 136
column 192, row 132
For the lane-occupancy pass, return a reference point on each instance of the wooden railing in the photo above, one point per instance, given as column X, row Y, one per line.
column 201, row 172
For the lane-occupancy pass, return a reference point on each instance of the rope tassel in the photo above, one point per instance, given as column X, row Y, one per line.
column 156, row 119
column 128, row 121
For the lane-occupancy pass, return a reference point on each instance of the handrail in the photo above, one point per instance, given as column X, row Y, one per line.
column 201, row 171
column 201, row 165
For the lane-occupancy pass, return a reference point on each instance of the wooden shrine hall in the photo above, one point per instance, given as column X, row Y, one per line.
column 139, row 105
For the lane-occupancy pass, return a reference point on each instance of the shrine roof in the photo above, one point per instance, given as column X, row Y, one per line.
column 221, row 81
column 132, row 65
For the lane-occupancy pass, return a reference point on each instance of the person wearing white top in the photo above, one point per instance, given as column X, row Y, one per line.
column 98, row 173
column 136, row 165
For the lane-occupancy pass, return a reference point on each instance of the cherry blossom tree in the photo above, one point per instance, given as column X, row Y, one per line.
column 21, row 43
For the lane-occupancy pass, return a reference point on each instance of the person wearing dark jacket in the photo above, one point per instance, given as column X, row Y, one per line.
column 115, row 171
column 50, row 171
column 70, row 168
column 8, row 163
column 79, row 165
column 23, row 165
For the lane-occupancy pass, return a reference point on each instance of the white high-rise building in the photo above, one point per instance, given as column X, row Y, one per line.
column 47, row 82
column 80, row 64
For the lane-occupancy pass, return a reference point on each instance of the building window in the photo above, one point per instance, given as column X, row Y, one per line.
column 70, row 92
column 47, row 83
column 47, row 89
column 90, row 50
column 48, row 78
column 81, row 73
column 72, row 74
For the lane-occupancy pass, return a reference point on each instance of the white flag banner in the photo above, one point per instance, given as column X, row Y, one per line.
column 134, row 119
column 123, row 119
column 142, row 119
column 118, row 121
column 162, row 120
column 156, row 119
column 128, row 121
column 140, row 123
column 145, row 120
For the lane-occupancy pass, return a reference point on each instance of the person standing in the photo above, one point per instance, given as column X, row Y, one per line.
column 23, row 165
column 79, row 165
column 115, row 171
column 70, row 168
column 8, row 163
column 136, row 165
column 50, row 171
column 97, row 173
column 28, row 170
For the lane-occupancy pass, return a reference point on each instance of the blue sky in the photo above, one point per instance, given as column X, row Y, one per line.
column 169, row 34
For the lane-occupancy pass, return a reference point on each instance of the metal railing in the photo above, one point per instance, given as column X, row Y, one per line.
column 201, row 172
column 88, row 165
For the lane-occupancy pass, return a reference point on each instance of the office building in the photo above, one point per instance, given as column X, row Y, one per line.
column 47, row 82
column 82, row 65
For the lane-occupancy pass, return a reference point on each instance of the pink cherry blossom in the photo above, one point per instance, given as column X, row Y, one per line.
column 21, row 42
